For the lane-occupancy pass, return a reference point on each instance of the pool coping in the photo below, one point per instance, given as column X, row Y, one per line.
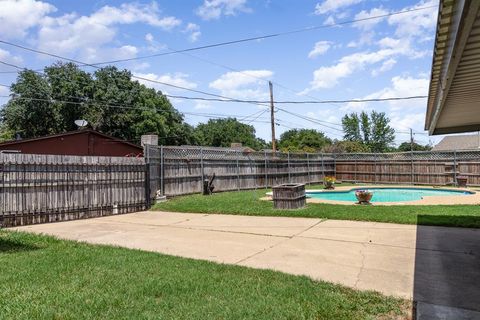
column 473, row 199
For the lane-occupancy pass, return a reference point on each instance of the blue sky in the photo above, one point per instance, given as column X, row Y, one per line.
column 387, row 57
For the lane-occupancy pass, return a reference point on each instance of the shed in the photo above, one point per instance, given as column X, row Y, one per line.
column 85, row 142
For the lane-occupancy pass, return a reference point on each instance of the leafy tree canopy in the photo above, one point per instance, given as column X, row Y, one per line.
column 109, row 100
column 306, row 140
column 346, row 147
column 224, row 132
column 406, row 146
column 372, row 130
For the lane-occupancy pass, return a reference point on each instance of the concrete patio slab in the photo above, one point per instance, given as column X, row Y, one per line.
column 432, row 265
column 273, row 226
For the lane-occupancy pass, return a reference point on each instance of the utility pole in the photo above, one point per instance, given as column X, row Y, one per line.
column 272, row 117
column 411, row 139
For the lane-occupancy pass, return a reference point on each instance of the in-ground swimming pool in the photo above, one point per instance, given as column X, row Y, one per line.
column 386, row 194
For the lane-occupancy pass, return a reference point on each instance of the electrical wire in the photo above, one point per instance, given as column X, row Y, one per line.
column 243, row 117
column 266, row 102
column 133, row 76
column 249, row 39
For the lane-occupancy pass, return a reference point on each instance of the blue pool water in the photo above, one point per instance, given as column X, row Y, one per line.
column 387, row 194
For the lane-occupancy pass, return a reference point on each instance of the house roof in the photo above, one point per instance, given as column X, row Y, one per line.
column 64, row 134
column 454, row 92
column 463, row 142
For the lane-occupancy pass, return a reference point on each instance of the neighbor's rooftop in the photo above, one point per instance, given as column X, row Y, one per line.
column 462, row 142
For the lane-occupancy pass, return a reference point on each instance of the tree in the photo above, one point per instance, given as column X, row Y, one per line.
column 406, row 146
column 108, row 99
column 30, row 112
column 371, row 130
column 74, row 86
column 307, row 140
column 346, row 147
column 224, row 132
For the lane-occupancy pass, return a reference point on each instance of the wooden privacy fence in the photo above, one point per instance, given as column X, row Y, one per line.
column 417, row 168
column 181, row 170
column 48, row 188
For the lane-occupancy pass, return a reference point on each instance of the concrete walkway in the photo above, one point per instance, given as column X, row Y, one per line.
column 433, row 265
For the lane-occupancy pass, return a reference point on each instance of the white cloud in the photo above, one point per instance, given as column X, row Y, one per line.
column 366, row 38
column 194, row 32
column 91, row 54
column 386, row 66
column 7, row 57
column 149, row 37
column 415, row 23
column 404, row 87
column 333, row 5
column 4, row 91
column 214, row 9
column 247, row 84
column 369, row 24
column 320, row 48
column 202, row 106
column 329, row 76
column 129, row 13
column 403, row 114
column 18, row 16
column 329, row 21
column 71, row 33
column 177, row 79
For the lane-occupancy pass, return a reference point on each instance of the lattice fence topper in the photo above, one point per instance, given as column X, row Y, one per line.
column 210, row 153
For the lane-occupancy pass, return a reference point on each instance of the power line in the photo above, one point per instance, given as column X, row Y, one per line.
column 249, row 39
column 133, row 76
column 264, row 102
column 310, row 118
column 211, row 115
column 300, row 101
column 318, row 122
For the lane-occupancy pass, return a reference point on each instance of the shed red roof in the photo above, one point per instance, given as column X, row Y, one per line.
column 86, row 142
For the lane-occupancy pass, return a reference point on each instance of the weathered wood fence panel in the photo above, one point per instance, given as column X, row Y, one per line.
column 48, row 188
column 182, row 169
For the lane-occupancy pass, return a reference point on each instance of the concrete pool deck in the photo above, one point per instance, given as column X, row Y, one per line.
column 435, row 266
column 473, row 199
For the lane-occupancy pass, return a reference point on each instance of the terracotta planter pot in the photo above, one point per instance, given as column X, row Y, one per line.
column 364, row 197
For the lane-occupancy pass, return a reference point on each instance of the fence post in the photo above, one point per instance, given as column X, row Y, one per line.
column 238, row 171
column 412, row 168
column 288, row 163
column 201, row 169
column 308, row 168
column 266, row 169
column 375, row 167
column 455, row 168
column 148, row 197
column 162, row 178
column 355, row 173
column 323, row 166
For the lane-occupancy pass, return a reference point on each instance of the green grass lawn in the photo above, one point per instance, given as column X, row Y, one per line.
column 45, row 278
column 248, row 203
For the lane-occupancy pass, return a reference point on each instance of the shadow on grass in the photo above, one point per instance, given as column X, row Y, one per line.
column 447, row 267
column 449, row 220
column 13, row 246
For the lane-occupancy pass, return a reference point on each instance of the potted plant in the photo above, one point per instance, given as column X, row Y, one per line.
column 329, row 182
column 363, row 196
